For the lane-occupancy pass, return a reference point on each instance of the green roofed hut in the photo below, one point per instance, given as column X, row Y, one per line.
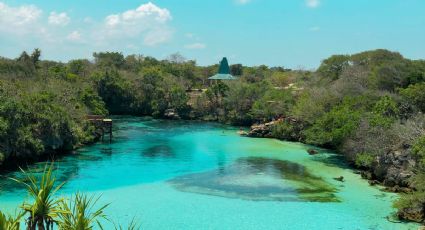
column 223, row 72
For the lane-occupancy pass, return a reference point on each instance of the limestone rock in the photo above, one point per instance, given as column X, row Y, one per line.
column 312, row 151
column 262, row 130
column 416, row 214
column 171, row 114
column 394, row 168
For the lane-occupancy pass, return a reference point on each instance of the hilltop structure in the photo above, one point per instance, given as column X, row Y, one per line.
column 223, row 72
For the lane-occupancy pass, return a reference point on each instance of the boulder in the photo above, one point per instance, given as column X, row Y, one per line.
column 373, row 182
column 394, row 168
column 171, row 114
column 312, row 151
column 341, row 179
column 262, row 130
column 416, row 214
column 366, row 175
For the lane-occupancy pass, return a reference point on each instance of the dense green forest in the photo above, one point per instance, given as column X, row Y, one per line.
column 368, row 106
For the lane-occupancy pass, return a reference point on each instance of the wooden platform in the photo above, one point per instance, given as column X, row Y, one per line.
column 101, row 123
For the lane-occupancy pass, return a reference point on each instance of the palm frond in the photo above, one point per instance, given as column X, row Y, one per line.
column 133, row 225
column 9, row 222
column 44, row 207
column 81, row 213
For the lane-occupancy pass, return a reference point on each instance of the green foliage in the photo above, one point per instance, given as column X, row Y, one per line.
column 332, row 67
column 78, row 67
column 289, row 130
column 415, row 199
column 9, row 222
column 133, row 225
column 336, row 125
column 80, row 213
column 313, row 104
column 384, row 112
column 116, row 92
column 418, row 150
column 109, row 59
column 239, row 99
column 236, row 70
column 215, row 94
column 364, row 160
column 274, row 102
column 33, row 124
column 93, row 102
column 45, row 208
column 415, row 95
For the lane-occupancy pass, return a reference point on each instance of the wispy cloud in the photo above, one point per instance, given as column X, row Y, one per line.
column 313, row 3
column 74, row 36
column 59, row 19
column 19, row 19
column 195, row 46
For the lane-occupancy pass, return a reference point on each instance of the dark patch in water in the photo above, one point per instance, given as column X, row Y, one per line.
column 107, row 151
column 332, row 160
column 159, row 151
column 62, row 174
column 257, row 178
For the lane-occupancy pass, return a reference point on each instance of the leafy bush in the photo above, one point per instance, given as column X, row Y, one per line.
column 418, row 150
column 364, row 160
column 333, row 127
column 415, row 95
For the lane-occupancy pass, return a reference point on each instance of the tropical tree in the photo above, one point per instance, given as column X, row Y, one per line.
column 44, row 210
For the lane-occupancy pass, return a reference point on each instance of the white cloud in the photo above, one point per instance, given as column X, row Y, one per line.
column 58, row 19
column 25, row 27
column 312, row 3
column 148, row 22
column 74, row 36
column 18, row 19
column 242, row 2
column 195, row 46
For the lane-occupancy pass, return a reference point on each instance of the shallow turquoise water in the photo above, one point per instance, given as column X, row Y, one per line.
column 192, row 175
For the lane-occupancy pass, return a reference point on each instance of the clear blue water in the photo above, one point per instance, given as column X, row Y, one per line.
column 193, row 175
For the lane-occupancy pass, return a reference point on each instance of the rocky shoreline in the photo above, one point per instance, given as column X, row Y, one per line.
column 393, row 170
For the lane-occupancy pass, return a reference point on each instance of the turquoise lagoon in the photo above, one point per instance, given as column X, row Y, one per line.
column 194, row 175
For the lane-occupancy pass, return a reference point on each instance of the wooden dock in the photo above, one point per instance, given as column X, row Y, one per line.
column 103, row 124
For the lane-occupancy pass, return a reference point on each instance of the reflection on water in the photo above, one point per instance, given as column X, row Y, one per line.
column 257, row 178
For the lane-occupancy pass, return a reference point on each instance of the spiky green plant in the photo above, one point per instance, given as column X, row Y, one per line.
column 9, row 222
column 45, row 208
column 80, row 213
column 133, row 225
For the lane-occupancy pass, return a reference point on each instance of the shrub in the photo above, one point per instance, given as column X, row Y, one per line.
column 333, row 127
column 364, row 160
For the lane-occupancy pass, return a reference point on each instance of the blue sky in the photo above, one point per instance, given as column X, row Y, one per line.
column 290, row 33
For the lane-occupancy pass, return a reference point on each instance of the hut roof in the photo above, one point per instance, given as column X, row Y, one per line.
column 223, row 72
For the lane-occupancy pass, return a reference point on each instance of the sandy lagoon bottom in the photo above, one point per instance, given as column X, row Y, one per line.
column 193, row 175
